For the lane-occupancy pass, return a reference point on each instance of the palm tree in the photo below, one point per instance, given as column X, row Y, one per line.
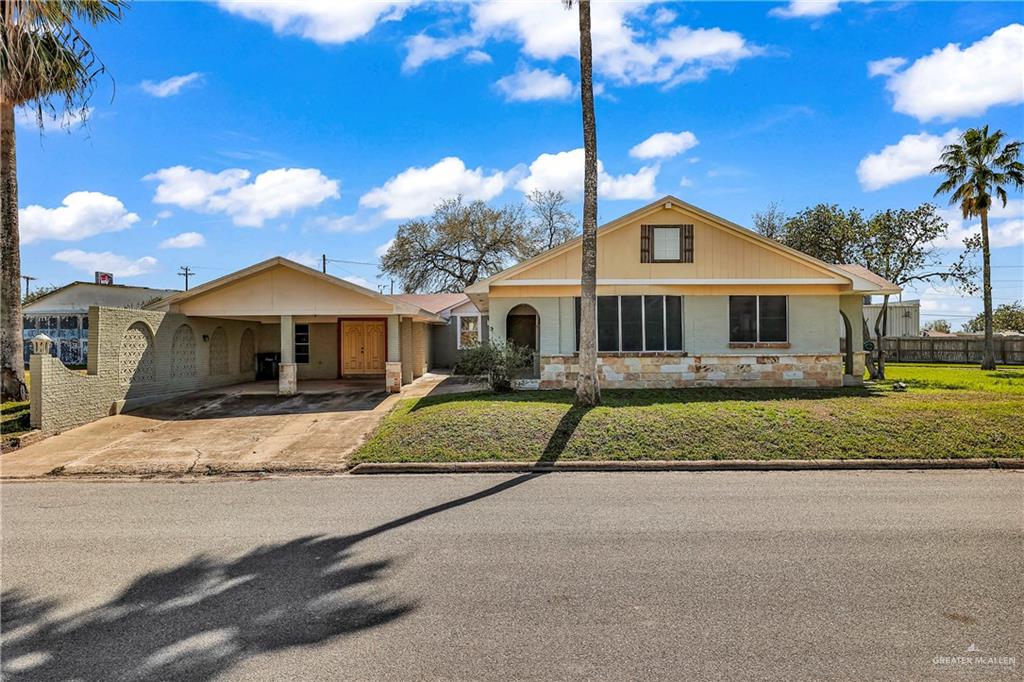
column 46, row 61
column 588, row 391
column 976, row 166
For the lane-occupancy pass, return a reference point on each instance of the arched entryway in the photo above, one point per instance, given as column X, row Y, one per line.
column 522, row 326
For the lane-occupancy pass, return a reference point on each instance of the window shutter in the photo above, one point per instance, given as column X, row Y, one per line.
column 645, row 243
column 686, row 243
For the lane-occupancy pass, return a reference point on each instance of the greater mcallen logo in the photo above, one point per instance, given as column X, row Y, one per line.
column 974, row 657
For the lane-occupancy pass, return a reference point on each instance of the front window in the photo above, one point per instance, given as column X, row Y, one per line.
column 469, row 331
column 758, row 319
column 637, row 323
column 666, row 243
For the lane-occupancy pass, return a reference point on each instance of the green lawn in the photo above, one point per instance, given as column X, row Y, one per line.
column 948, row 412
column 13, row 419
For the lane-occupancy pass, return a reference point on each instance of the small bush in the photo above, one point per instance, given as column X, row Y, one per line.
column 499, row 363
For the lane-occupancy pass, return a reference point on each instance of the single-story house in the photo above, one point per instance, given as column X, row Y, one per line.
column 464, row 325
column 63, row 315
column 686, row 298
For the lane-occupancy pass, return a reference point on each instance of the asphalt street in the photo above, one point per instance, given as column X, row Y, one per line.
column 689, row 576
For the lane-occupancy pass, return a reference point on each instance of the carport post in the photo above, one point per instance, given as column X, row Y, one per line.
column 393, row 368
column 287, row 382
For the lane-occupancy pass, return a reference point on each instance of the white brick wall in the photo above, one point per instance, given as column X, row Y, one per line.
column 62, row 399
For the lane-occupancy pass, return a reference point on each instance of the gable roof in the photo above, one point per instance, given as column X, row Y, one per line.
column 860, row 283
column 884, row 285
column 435, row 303
column 400, row 307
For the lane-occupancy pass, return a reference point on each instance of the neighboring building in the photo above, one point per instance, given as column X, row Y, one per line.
column 63, row 315
column 686, row 298
column 464, row 326
column 903, row 318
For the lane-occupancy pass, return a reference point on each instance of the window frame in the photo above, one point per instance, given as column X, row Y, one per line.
column 643, row 324
column 679, row 243
column 296, row 345
column 757, row 322
column 458, row 329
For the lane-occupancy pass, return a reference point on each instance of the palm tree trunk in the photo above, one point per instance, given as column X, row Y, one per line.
column 988, row 359
column 588, row 391
column 12, row 352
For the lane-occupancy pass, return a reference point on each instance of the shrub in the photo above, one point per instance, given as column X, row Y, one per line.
column 499, row 363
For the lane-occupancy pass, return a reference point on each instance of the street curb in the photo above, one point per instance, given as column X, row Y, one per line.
column 371, row 468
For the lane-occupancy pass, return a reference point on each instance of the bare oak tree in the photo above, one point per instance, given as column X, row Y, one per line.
column 553, row 223
column 459, row 244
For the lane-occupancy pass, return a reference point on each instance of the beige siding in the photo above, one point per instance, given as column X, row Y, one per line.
column 323, row 349
column 718, row 253
column 283, row 291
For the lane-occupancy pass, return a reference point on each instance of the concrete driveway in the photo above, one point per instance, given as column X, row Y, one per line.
column 234, row 429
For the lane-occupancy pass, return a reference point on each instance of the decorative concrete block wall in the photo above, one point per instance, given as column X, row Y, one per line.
column 674, row 370
column 138, row 357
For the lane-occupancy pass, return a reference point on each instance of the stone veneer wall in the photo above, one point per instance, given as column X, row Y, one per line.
column 155, row 370
column 675, row 370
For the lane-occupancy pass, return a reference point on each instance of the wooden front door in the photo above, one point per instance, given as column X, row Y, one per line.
column 363, row 346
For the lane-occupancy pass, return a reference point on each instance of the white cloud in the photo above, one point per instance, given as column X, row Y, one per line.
column 1005, row 229
column 663, row 15
column 563, row 171
column 185, row 240
column 164, row 215
column 422, row 48
column 82, row 214
column 269, row 195
column 912, row 156
column 478, row 57
column 664, row 145
column 323, row 21
column 805, row 9
column 415, row 191
column 307, row 258
column 28, row 117
column 526, row 85
column 639, row 185
column 885, row 67
column 104, row 261
column 360, row 281
column 685, row 182
column 623, row 49
column 954, row 81
column 383, row 248
column 171, row 86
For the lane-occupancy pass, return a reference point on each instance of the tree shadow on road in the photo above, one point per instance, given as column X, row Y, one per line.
column 199, row 619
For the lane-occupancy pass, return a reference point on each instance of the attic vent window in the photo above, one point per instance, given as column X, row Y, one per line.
column 666, row 243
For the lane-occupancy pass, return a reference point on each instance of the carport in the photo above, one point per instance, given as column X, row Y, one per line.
column 317, row 326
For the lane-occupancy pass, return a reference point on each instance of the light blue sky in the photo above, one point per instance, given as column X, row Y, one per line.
column 245, row 131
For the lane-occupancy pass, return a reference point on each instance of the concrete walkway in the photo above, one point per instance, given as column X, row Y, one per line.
column 232, row 429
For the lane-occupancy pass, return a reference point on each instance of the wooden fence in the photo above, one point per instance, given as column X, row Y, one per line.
column 965, row 349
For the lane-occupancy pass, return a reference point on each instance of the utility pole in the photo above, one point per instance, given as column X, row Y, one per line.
column 27, row 278
column 392, row 287
column 323, row 261
column 185, row 272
